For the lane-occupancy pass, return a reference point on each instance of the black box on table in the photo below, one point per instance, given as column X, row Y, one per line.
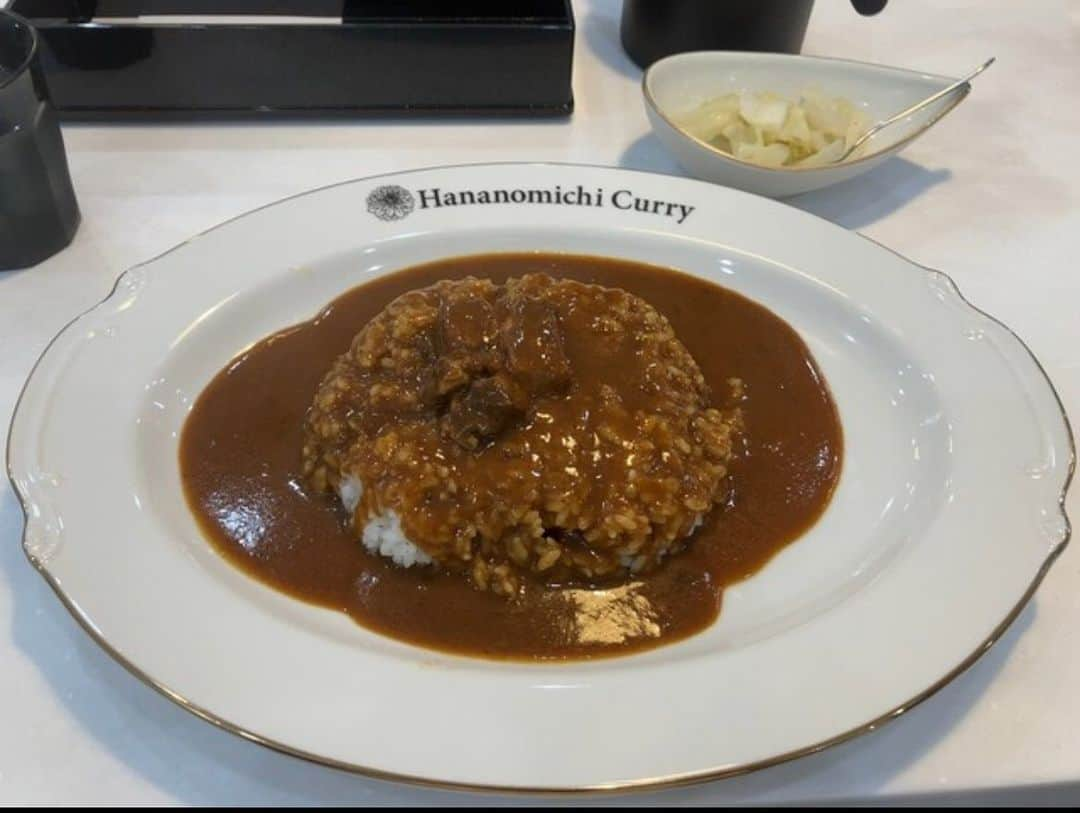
column 124, row 59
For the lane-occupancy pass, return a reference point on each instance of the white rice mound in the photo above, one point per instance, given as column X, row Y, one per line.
column 382, row 533
column 634, row 564
column 384, row 536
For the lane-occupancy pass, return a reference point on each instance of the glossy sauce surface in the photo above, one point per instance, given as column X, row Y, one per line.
column 241, row 469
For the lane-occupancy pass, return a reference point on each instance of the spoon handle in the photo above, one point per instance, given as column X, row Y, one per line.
column 903, row 114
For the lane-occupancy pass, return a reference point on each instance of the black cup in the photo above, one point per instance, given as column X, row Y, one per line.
column 38, row 212
column 653, row 29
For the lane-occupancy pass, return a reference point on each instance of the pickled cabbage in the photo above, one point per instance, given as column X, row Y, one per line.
column 767, row 129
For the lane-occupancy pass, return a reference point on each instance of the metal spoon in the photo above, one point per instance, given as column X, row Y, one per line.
column 903, row 114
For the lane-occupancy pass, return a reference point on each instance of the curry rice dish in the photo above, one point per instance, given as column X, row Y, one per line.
column 541, row 427
column 530, row 456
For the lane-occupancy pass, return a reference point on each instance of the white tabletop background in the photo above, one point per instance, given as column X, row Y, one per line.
column 991, row 195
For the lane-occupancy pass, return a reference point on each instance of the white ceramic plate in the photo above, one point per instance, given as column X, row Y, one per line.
column 679, row 83
column 947, row 515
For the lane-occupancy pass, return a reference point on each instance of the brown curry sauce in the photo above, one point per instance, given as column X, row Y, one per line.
column 240, row 466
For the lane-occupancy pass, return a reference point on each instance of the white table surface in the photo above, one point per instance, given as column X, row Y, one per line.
column 992, row 196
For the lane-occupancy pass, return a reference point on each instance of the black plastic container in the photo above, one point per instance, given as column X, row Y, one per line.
column 38, row 212
column 117, row 59
column 653, row 29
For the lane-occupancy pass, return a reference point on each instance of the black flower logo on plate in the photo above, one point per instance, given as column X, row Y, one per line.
column 390, row 202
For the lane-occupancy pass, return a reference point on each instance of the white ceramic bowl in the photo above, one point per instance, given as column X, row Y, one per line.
column 681, row 82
